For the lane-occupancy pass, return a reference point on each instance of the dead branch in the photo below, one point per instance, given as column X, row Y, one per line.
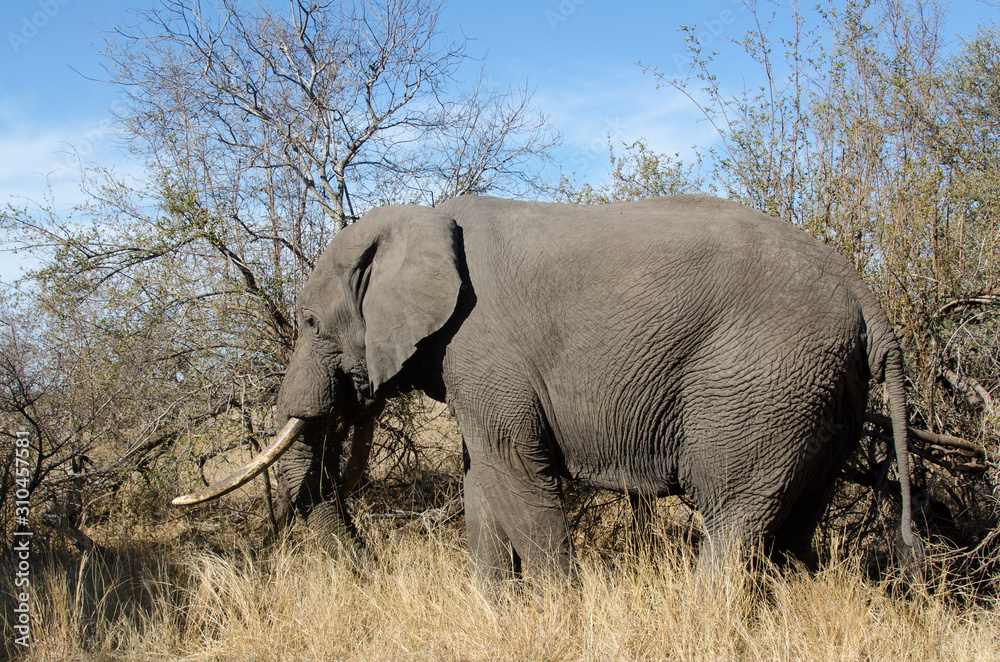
column 82, row 541
column 983, row 299
column 947, row 463
column 973, row 392
column 944, row 440
column 429, row 518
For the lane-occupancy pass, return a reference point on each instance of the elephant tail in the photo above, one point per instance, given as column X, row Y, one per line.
column 894, row 381
column 885, row 359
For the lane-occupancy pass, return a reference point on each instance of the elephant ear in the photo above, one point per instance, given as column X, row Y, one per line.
column 409, row 289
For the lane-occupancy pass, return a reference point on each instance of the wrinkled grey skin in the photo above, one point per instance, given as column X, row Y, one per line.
column 679, row 345
column 310, row 481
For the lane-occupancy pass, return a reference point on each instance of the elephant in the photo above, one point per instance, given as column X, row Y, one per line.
column 677, row 345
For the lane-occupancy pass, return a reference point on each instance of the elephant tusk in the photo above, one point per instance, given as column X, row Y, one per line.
column 268, row 456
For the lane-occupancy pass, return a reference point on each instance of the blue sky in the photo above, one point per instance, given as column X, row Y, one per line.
column 578, row 57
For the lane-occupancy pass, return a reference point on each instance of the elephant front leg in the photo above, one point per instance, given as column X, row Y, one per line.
column 493, row 555
column 514, row 516
column 513, row 493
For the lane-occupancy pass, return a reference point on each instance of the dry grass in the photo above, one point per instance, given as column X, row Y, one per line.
column 294, row 603
column 176, row 600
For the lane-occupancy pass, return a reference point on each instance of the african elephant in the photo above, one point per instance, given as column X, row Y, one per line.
column 679, row 345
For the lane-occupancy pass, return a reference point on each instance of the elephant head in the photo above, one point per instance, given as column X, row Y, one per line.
column 381, row 288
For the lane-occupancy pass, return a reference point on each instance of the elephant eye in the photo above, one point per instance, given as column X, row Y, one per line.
column 311, row 323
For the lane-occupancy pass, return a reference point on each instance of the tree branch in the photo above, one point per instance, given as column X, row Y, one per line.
column 944, row 440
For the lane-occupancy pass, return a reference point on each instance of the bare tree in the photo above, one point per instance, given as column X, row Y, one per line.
column 354, row 101
column 259, row 134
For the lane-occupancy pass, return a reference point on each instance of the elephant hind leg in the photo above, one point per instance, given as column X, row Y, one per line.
column 793, row 539
column 771, row 526
column 816, row 482
column 726, row 545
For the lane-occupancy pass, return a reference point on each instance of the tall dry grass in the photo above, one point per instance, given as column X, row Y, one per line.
column 422, row 603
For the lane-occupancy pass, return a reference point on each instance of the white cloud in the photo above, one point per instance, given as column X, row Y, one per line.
column 42, row 156
column 623, row 103
column 32, row 163
column 42, row 160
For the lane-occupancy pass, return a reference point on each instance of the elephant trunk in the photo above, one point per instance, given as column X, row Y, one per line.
column 281, row 442
column 313, row 483
column 361, row 447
